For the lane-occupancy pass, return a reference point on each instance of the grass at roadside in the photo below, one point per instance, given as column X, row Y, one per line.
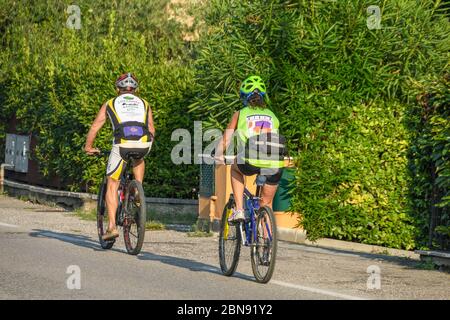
column 156, row 221
column 172, row 218
column 90, row 215
column 426, row 264
column 155, row 225
column 199, row 234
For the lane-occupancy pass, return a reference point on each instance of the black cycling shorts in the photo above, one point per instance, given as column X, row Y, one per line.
column 250, row 170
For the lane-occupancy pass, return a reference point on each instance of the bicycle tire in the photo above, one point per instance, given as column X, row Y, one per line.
column 229, row 268
column 263, row 268
column 136, row 216
column 101, row 210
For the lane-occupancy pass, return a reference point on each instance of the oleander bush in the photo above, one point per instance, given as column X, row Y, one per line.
column 54, row 79
column 430, row 160
column 344, row 95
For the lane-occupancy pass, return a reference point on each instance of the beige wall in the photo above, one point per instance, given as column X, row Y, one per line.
column 211, row 208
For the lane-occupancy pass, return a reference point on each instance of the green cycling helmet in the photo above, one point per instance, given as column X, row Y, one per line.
column 251, row 86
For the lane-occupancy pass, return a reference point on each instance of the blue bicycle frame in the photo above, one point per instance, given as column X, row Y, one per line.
column 251, row 205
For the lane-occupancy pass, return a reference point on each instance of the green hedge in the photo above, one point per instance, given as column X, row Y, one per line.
column 343, row 96
column 57, row 78
column 430, row 161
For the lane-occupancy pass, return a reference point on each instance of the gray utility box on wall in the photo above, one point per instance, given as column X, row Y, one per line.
column 16, row 152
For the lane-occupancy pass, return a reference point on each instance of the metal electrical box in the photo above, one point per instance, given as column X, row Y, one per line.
column 17, row 151
column 22, row 152
column 10, row 150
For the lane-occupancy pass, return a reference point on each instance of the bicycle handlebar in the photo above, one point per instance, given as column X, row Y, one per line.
column 104, row 153
column 101, row 153
column 208, row 156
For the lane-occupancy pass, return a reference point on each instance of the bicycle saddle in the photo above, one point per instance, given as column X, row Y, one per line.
column 260, row 180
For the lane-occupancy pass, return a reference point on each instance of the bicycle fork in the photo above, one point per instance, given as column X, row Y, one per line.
column 246, row 228
column 243, row 233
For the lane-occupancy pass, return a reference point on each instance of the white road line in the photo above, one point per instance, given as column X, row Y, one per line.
column 8, row 225
column 314, row 290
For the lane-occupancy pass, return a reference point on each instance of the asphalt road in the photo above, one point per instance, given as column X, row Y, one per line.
column 41, row 247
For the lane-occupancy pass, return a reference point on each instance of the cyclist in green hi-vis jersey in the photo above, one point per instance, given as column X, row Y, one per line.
column 260, row 146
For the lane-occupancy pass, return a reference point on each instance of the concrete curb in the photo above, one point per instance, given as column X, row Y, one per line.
column 291, row 235
column 65, row 199
column 88, row 201
column 50, row 192
column 171, row 201
column 299, row 236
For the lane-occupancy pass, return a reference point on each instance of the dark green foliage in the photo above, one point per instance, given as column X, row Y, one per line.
column 55, row 79
column 430, row 161
column 342, row 92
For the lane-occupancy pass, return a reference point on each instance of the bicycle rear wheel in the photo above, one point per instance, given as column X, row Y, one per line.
column 264, row 247
column 229, row 241
column 135, row 217
column 102, row 217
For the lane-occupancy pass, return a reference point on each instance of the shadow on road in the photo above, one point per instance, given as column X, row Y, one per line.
column 87, row 242
column 79, row 240
column 189, row 264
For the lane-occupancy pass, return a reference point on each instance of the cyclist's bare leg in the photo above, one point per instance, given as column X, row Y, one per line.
column 139, row 170
column 112, row 201
column 237, row 184
column 267, row 194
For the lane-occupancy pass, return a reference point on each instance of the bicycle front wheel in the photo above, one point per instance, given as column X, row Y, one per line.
column 264, row 247
column 229, row 241
column 102, row 217
column 135, row 217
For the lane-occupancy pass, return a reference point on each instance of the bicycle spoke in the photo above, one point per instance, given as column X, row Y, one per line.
column 135, row 216
column 103, row 218
column 229, row 242
column 263, row 253
column 133, row 234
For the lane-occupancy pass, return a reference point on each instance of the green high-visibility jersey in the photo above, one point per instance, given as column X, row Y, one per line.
column 254, row 121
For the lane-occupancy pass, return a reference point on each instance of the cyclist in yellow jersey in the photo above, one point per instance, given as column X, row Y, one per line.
column 134, row 131
column 255, row 120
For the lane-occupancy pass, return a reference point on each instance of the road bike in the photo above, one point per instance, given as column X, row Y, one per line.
column 131, row 214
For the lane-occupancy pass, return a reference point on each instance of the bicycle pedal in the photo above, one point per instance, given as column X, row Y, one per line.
column 234, row 222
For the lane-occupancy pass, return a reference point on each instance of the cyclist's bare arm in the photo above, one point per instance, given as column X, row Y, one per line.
column 95, row 128
column 151, row 126
column 226, row 138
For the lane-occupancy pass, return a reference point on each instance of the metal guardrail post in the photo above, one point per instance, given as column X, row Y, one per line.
column 2, row 174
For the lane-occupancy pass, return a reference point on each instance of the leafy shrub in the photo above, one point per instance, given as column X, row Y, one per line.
column 343, row 95
column 430, row 161
column 65, row 75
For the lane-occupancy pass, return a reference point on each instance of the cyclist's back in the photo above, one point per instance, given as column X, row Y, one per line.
column 256, row 128
column 129, row 117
